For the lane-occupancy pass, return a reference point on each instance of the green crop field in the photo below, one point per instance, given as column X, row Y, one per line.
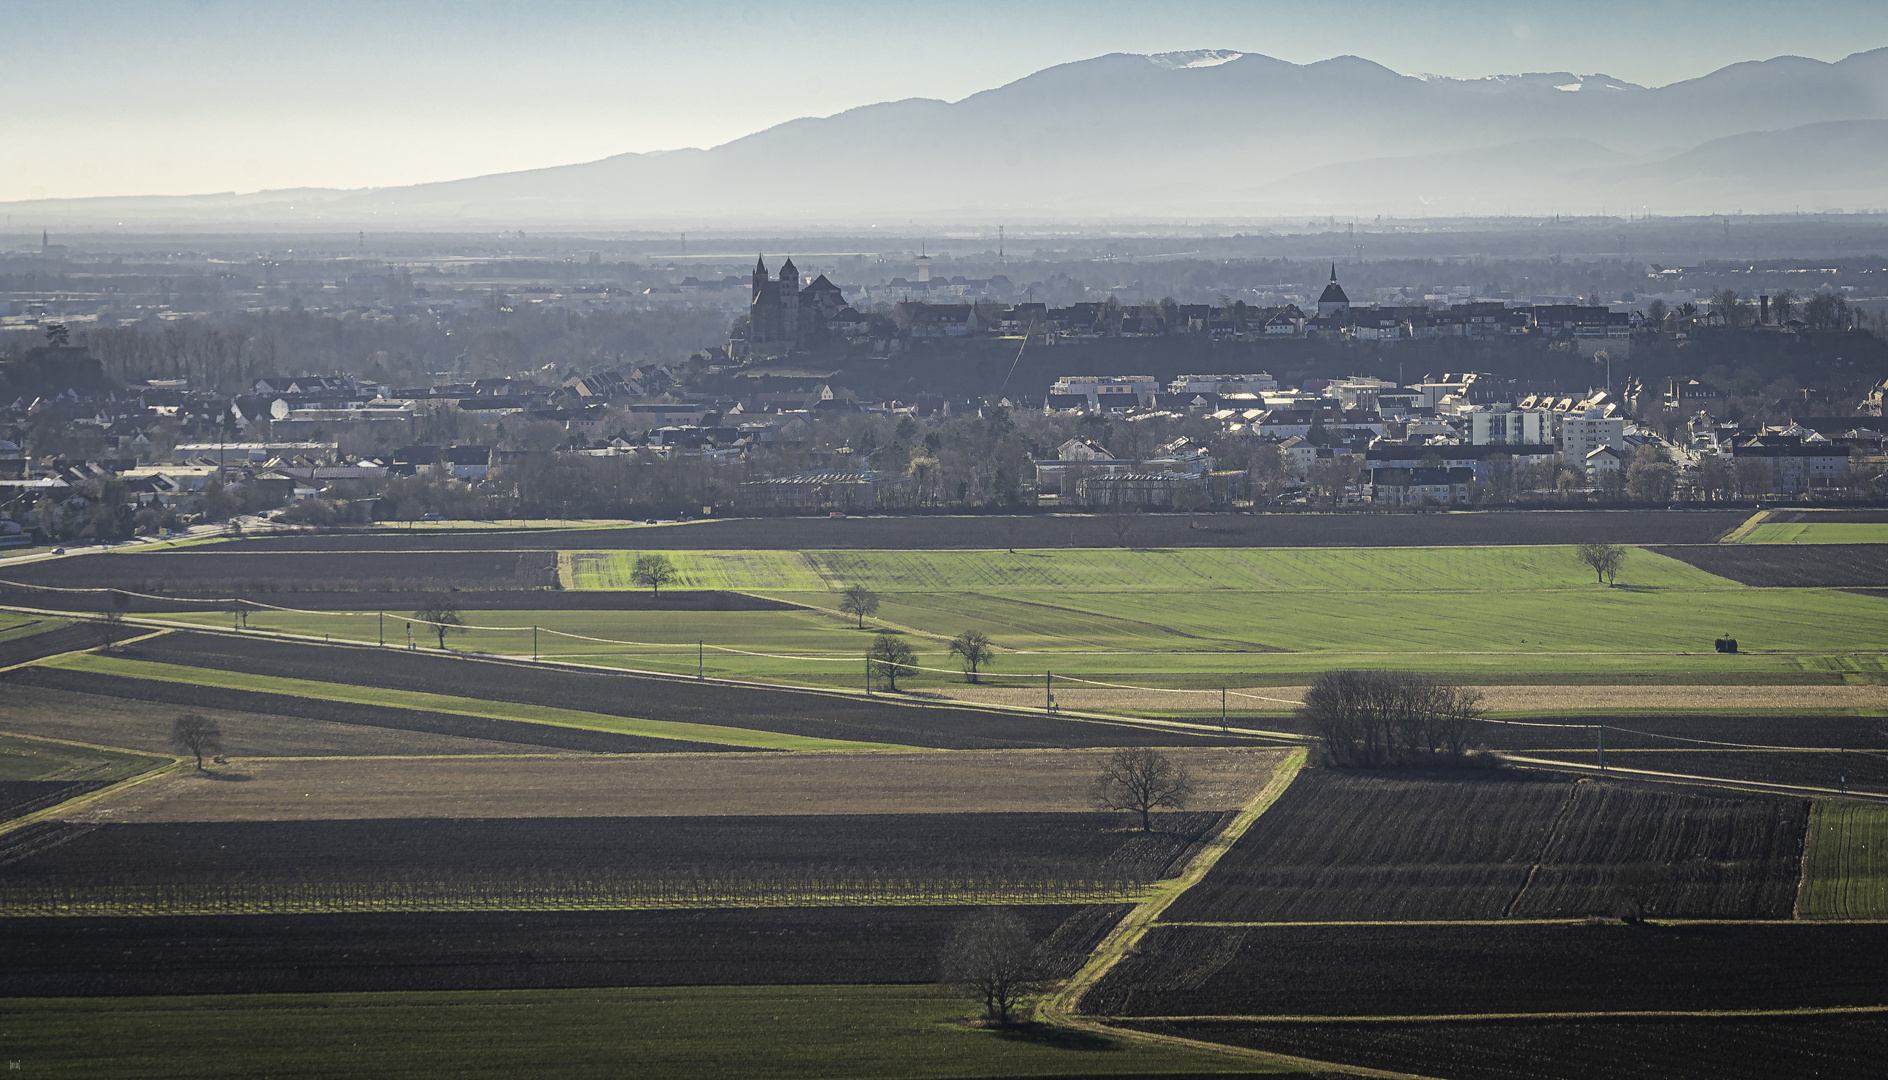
column 24, row 758
column 1196, row 617
column 762, row 1033
column 1817, row 532
column 1845, row 864
column 659, row 729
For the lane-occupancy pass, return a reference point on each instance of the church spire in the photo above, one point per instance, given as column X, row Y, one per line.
column 1334, row 272
column 760, row 266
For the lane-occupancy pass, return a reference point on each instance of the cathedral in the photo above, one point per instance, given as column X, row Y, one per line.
column 781, row 312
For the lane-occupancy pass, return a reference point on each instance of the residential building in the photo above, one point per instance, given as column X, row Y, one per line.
column 1421, row 487
column 1583, row 434
column 1495, row 424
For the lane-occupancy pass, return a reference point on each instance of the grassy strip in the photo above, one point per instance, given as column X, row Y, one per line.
column 24, row 757
column 1818, row 532
column 1061, row 1007
column 1434, row 1018
column 319, row 898
column 762, row 1033
column 1845, row 862
column 539, row 714
column 1737, row 535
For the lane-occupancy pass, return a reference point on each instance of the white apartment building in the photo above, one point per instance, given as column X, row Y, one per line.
column 1222, row 384
column 1534, row 427
column 1108, row 391
column 1581, row 435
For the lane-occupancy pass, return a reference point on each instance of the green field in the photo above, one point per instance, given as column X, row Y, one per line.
column 540, row 714
column 24, row 758
column 1845, row 863
column 1817, row 532
column 1199, row 617
column 762, row 1033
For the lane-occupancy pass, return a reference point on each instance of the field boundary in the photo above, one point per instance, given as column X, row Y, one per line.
column 1471, row 1018
column 1800, row 790
column 77, row 802
column 1059, row 1008
column 1736, row 536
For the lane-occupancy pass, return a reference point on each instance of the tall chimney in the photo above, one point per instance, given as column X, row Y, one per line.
column 1763, row 310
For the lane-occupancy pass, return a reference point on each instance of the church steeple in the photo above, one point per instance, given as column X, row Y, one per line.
column 1334, row 273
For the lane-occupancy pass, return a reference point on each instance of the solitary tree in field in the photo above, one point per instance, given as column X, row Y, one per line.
column 1142, row 779
column 442, row 612
column 889, row 657
column 111, row 628
column 1122, row 517
column 196, row 734
column 654, row 570
column 991, row 959
column 975, row 648
column 859, row 601
column 1603, row 558
column 1637, row 887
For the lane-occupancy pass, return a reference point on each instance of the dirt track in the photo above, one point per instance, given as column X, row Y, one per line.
column 660, row 785
column 1495, row 698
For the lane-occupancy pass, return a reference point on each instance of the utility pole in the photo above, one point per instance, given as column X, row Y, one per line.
column 383, row 629
column 1048, row 691
column 701, row 648
column 534, row 644
column 1602, row 730
column 868, row 676
column 1222, row 708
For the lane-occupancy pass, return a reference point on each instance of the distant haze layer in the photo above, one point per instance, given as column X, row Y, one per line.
column 1221, row 135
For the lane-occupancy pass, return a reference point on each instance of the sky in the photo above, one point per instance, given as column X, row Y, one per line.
column 109, row 97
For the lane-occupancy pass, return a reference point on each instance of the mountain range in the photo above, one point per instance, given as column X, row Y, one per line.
column 1213, row 134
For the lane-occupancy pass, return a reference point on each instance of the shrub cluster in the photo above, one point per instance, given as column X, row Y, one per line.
column 1390, row 717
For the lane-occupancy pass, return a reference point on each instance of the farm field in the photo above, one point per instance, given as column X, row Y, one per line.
column 1770, row 566
column 660, row 785
column 235, row 954
column 1357, row 846
column 1499, row 700
column 1827, row 771
column 37, row 638
column 1817, row 532
column 221, row 678
column 137, row 713
column 1056, row 531
column 223, row 571
column 766, row 716
column 1845, row 869
column 23, row 758
column 1672, row 1048
column 1012, row 847
column 1507, row 969
column 800, row 1032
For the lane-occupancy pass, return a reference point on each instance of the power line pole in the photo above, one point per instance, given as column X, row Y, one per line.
column 1602, row 730
column 701, row 648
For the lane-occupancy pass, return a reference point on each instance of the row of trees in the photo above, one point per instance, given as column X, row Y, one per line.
column 1375, row 718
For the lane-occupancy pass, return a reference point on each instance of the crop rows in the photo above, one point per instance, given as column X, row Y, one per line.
column 1858, row 770
column 225, row 572
column 29, row 647
column 1343, row 845
column 1846, row 865
column 1386, row 969
column 309, row 898
column 1671, row 1048
column 659, row 857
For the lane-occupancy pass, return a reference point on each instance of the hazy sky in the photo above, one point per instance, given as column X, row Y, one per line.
column 104, row 98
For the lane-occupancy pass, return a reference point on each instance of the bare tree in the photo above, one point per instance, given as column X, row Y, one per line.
column 991, row 959
column 441, row 612
column 1142, row 779
column 1604, row 559
column 196, row 734
column 860, row 601
column 975, row 648
column 888, row 658
column 1121, row 521
column 1783, row 306
column 654, row 570
column 111, row 629
column 1637, row 887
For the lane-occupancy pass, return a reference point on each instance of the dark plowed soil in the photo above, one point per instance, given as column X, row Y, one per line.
column 60, row 639
column 1390, row 970
column 795, row 712
column 1832, row 566
column 870, row 847
column 228, row 571
column 244, row 954
column 19, row 798
column 1677, row 1048
column 435, row 723
column 199, row 597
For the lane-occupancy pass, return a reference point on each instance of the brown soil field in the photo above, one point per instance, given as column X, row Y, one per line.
column 514, row 735
column 19, row 798
column 659, row 785
column 1489, row 844
column 229, row 571
column 1387, row 969
column 1860, row 771
column 763, row 708
column 244, row 954
column 1835, row 566
column 145, row 725
column 1514, row 699
column 937, row 532
column 1671, row 1048
column 1662, row 732
column 468, row 599
column 59, row 639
